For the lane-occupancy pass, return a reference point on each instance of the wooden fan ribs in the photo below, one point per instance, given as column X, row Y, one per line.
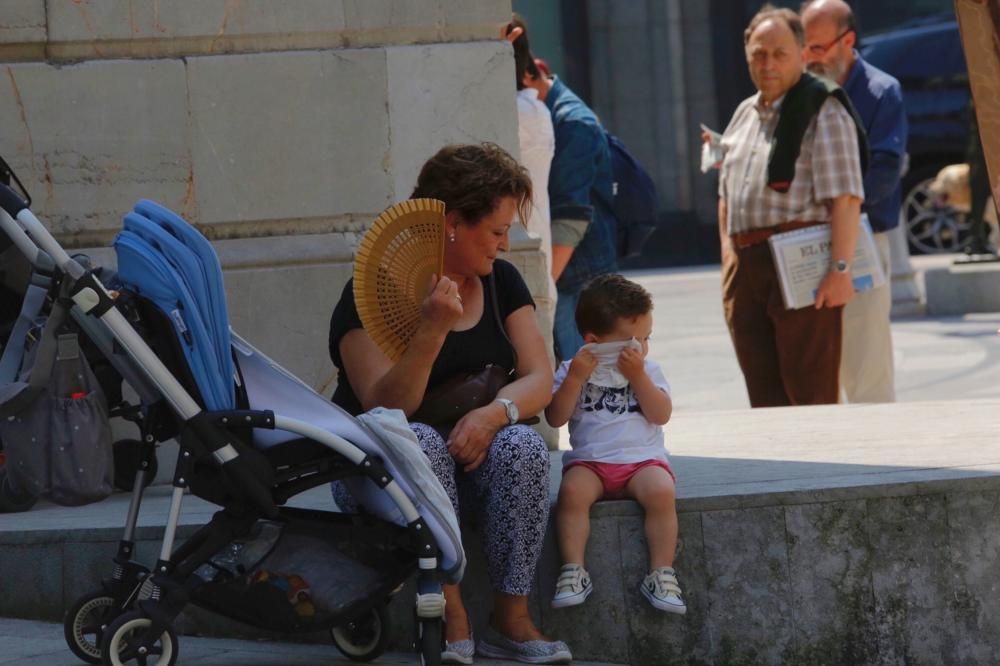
column 392, row 269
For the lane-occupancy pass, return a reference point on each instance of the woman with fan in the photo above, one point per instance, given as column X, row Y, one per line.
column 477, row 316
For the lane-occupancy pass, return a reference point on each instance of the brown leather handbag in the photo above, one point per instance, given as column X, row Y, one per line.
column 455, row 397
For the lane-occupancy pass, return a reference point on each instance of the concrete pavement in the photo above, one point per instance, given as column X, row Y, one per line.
column 937, row 358
column 27, row 643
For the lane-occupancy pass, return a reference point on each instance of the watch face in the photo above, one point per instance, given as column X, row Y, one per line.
column 841, row 266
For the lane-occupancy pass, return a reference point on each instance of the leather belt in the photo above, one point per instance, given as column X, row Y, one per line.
column 746, row 239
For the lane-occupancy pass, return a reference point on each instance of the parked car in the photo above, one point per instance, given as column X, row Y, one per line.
column 926, row 56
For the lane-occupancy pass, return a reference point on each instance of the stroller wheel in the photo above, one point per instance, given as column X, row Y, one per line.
column 85, row 623
column 126, row 456
column 363, row 638
column 122, row 638
column 11, row 499
column 431, row 641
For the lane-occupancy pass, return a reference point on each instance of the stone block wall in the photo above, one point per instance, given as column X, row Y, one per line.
column 279, row 129
column 880, row 575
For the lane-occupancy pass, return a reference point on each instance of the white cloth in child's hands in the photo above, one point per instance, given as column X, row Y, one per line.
column 607, row 373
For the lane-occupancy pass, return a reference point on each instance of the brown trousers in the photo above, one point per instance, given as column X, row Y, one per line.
column 788, row 357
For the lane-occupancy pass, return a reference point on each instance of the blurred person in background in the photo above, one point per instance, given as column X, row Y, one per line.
column 867, row 372
column 538, row 143
column 580, row 182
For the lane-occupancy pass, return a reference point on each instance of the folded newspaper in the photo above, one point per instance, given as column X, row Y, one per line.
column 802, row 259
column 711, row 150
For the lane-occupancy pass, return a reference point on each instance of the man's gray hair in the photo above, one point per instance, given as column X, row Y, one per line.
column 787, row 16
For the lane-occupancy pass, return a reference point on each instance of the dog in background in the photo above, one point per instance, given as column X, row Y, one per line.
column 950, row 188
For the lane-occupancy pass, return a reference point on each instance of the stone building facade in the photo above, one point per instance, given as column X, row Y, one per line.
column 279, row 129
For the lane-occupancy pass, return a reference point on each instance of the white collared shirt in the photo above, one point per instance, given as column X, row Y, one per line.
column 538, row 145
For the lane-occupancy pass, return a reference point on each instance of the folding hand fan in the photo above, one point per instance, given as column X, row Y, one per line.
column 393, row 268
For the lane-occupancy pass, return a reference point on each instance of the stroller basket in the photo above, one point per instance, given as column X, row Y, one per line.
column 308, row 574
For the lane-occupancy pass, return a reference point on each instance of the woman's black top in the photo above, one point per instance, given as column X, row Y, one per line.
column 463, row 352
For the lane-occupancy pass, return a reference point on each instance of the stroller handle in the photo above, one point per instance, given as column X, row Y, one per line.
column 41, row 248
column 31, row 236
column 10, row 201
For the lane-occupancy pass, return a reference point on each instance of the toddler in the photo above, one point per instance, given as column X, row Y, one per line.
column 615, row 401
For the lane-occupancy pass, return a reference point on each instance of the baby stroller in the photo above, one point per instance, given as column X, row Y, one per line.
column 251, row 437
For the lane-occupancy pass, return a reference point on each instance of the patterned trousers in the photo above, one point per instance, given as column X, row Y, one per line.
column 507, row 497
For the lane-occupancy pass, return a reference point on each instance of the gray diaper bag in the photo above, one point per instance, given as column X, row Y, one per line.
column 53, row 413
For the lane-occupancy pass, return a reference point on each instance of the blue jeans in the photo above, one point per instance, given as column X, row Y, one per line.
column 564, row 332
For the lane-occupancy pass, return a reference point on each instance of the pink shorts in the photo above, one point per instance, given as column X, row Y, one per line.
column 615, row 476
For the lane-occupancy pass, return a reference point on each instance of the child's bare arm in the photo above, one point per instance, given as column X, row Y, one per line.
column 656, row 404
column 563, row 402
column 564, row 399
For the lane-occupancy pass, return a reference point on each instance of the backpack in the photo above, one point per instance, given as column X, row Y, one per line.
column 635, row 202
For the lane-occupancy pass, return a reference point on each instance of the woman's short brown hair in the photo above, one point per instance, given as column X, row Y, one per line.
column 472, row 178
column 608, row 298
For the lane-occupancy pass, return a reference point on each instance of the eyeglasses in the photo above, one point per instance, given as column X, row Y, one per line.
column 820, row 50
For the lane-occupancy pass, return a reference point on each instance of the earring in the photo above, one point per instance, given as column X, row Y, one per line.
column 451, row 238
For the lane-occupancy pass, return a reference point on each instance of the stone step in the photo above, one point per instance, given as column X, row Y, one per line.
column 851, row 534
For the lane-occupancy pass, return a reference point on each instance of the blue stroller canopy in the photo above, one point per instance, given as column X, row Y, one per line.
column 164, row 259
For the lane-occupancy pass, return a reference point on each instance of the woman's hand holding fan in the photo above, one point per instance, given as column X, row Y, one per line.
column 394, row 271
column 443, row 305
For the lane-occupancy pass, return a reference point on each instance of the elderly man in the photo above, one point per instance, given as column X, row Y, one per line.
column 866, row 365
column 810, row 175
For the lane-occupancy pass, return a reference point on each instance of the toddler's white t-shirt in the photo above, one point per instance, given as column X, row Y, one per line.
column 607, row 425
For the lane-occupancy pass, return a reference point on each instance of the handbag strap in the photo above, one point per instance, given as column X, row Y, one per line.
column 13, row 353
column 496, row 316
column 49, row 347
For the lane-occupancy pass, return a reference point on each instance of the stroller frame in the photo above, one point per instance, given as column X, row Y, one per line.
column 137, row 605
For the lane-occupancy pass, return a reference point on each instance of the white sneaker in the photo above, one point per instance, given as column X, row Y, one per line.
column 661, row 589
column 573, row 586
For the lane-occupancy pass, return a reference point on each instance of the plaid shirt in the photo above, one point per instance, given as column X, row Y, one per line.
column 828, row 166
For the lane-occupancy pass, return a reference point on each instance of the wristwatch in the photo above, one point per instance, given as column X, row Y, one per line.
column 512, row 414
column 841, row 266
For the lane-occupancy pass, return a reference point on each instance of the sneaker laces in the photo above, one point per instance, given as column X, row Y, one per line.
column 570, row 580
